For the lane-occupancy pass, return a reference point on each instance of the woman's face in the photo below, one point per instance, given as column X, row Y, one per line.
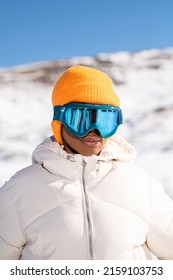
column 91, row 144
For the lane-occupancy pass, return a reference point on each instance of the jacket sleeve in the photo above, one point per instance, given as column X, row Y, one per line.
column 11, row 239
column 160, row 236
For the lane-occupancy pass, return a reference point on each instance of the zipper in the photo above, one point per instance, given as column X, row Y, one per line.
column 88, row 214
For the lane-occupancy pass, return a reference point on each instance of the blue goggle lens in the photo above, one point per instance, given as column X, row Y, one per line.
column 81, row 118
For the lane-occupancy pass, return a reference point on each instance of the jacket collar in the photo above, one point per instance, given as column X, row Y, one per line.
column 56, row 160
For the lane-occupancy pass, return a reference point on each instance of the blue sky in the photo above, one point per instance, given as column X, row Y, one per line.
column 37, row 30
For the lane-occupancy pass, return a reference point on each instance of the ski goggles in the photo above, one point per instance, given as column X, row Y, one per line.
column 81, row 118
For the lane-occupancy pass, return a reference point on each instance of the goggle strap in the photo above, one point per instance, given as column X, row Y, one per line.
column 58, row 113
column 120, row 117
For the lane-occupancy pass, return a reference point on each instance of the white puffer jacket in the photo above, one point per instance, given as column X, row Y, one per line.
column 74, row 207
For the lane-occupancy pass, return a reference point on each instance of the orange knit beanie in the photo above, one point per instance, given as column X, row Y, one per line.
column 85, row 85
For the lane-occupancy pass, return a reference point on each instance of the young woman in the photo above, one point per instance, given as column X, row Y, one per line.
column 83, row 198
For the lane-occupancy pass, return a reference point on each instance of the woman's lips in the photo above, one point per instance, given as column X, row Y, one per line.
column 91, row 141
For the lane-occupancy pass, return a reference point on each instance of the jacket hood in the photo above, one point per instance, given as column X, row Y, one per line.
column 118, row 149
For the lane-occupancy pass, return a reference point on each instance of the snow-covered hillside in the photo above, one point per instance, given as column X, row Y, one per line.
column 144, row 83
